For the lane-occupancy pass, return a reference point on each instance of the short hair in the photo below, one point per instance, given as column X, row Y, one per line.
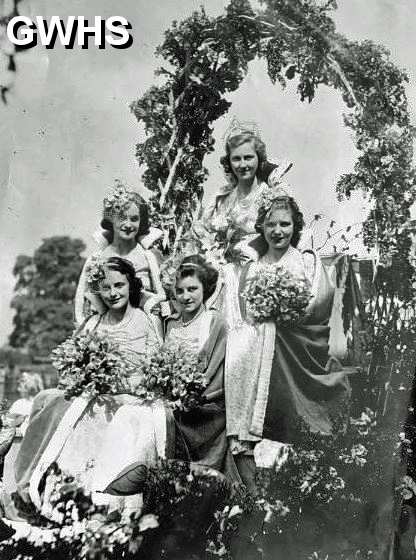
column 127, row 269
column 286, row 203
column 195, row 265
column 144, row 225
column 236, row 141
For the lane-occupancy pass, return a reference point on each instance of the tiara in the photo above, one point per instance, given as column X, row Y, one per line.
column 95, row 271
column 237, row 127
column 267, row 195
column 118, row 199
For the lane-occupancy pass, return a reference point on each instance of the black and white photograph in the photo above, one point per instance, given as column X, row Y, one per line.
column 208, row 279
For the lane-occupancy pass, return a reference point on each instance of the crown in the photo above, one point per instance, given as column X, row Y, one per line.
column 237, row 127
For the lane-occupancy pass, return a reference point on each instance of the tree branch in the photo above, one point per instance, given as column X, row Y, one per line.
column 169, row 180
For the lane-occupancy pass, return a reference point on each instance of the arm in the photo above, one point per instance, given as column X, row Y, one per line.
column 84, row 299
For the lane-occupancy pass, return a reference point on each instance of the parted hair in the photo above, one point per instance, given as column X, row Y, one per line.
column 127, row 269
column 195, row 265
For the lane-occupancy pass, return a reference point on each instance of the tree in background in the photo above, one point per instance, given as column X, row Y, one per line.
column 44, row 294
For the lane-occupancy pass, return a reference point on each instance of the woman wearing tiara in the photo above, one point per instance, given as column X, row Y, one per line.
column 126, row 224
column 200, row 433
column 73, row 433
column 284, row 383
column 246, row 167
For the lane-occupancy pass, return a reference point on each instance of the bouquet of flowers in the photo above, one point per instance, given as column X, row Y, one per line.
column 91, row 363
column 174, row 375
column 275, row 294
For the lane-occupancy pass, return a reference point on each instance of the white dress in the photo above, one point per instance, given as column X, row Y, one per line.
column 97, row 438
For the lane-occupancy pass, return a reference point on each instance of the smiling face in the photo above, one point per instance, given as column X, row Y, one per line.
column 278, row 229
column 114, row 290
column 244, row 161
column 126, row 226
column 189, row 295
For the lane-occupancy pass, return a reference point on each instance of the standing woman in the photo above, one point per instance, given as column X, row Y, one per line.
column 126, row 224
column 200, row 433
column 276, row 379
column 247, row 169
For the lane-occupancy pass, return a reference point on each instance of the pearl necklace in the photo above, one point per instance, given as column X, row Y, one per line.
column 187, row 323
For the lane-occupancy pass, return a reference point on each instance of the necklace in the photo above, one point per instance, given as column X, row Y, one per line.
column 187, row 323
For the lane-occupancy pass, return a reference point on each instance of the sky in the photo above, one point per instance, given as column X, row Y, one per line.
column 67, row 131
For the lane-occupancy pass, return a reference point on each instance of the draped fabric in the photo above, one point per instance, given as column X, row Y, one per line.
column 201, row 436
column 81, row 435
column 276, row 380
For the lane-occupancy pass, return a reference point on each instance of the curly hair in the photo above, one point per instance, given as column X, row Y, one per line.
column 144, row 225
column 286, row 203
column 127, row 269
column 195, row 265
column 238, row 140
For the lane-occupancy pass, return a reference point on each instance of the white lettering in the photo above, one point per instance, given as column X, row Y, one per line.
column 56, row 25
column 28, row 32
column 84, row 30
column 118, row 25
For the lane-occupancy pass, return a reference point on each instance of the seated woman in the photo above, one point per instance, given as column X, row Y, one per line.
column 126, row 224
column 276, row 379
column 200, row 434
column 72, row 433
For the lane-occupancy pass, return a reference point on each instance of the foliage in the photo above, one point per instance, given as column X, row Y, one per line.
column 205, row 58
column 175, row 375
column 179, row 506
column 277, row 294
column 302, row 504
column 91, row 363
column 44, row 294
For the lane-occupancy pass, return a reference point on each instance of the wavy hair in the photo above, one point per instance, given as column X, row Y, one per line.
column 195, row 265
column 259, row 147
column 286, row 203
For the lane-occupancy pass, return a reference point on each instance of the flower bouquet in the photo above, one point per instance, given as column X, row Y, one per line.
column 174, row 375
column 90, row 363
column 275, row 294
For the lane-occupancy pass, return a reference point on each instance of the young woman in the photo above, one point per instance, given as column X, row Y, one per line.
column 200, row 433
column 126, row 225
column 276, row 379
column 247, row 169
column 74, row 433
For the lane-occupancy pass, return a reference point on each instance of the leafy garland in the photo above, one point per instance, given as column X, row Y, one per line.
column 207, row 58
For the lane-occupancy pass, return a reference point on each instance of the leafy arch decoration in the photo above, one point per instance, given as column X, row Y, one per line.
column 205, row 58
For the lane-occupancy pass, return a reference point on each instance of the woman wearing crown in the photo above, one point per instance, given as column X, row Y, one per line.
column 279, row 363
column 234, row 211
column 127, row 233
